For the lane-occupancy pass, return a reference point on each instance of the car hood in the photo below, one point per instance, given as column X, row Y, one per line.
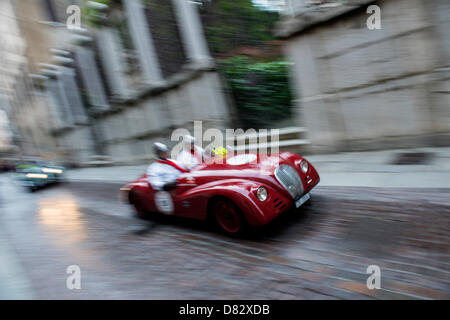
column 262, row 170
column 31, row 170
column 38, row 169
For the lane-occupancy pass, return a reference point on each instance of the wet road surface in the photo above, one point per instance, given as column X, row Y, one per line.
column 320, row 251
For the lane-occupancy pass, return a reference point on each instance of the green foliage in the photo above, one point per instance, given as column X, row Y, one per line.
column 232, row 23
column 90, row 15
column 260, row 90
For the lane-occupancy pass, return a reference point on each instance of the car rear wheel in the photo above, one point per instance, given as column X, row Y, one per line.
column 136, row 203
column 228, row 217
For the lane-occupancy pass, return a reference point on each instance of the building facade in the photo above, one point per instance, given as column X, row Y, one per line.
column 19, row 104
column 359, row 88
column 11, row 62
column 134, row 71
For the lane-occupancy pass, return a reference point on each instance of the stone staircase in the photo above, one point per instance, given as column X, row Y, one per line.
column 289, row 139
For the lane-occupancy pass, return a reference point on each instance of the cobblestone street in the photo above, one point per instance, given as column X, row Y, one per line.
column 320, row 251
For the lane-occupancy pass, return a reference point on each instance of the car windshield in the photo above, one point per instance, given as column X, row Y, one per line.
column 242, row 159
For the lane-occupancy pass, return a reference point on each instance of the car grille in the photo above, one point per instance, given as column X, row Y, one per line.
column 290, row 180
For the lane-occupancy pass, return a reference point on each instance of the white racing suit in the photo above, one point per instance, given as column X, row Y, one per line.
column 191, row 159
column 164, row 171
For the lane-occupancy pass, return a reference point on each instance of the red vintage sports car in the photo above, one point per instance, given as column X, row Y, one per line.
column 245, row 190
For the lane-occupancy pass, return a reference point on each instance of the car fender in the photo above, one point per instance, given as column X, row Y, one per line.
column 242, row 193
column 139, row 186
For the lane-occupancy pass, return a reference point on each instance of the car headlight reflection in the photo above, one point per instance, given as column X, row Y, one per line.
column 262, row 194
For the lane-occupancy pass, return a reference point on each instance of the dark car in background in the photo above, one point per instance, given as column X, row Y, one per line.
column 7, row 164
column 34, row 174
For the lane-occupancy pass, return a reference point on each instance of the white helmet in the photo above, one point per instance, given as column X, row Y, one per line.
column 159, row 147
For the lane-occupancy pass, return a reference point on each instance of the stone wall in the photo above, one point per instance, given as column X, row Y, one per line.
column 127, row 134
column 76, row 145
column 369, row 89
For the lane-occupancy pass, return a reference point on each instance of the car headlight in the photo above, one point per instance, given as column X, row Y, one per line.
column 37, row 176
column 49, row 170
column 262, row 194
column 304, row 166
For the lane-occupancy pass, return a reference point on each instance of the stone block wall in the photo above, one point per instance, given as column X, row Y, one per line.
column 369, row 89
column 128, row 134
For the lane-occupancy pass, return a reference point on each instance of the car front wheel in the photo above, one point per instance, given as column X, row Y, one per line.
column 229, row 218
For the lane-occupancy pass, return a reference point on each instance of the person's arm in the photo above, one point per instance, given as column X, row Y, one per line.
column 184, row 160
column 154, row 178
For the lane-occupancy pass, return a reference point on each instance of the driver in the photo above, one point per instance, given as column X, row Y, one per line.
column 163, row 174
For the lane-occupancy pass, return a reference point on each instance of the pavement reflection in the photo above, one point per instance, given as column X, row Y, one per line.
column 62, row 215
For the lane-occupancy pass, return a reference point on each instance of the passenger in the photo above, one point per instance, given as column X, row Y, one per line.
column 191, row 155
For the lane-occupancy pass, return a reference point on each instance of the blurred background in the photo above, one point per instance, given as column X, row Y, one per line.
column 137, row 69
column 370, row 109
column 133, row 72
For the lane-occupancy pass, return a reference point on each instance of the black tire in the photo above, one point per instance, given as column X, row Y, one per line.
column 228, row 218
column 135, row 202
